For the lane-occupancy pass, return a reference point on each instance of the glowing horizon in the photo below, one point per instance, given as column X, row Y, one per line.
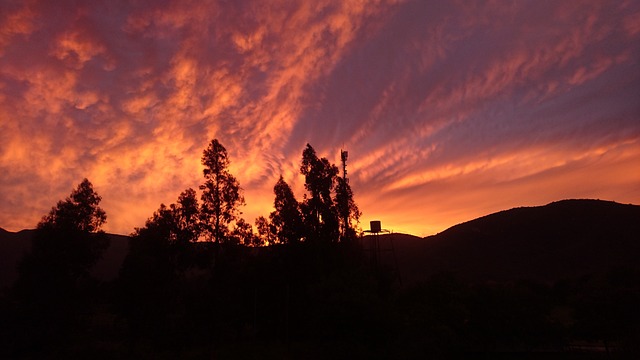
column 449, row 110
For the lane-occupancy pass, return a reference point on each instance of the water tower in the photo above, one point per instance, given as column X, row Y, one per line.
column 377, row 249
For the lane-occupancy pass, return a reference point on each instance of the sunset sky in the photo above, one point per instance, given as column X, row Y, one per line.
column 450, row 110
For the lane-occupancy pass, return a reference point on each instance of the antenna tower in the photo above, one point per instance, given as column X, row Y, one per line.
column 343, row 156
column 346, row 223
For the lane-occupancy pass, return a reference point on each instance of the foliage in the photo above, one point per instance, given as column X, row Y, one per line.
column 160, row 253
column 221, row 195
column 186, row 215
column 286, row 218
column 318, row 210
column 78, row 212
column 348, row 212
column 55, row 286
column 285, row 301
column 266, row 232
column 243, row 234
column 170, row 230
column 68, row 240
column 297, row 298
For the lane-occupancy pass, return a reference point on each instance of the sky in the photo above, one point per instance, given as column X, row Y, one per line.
column 450, row 110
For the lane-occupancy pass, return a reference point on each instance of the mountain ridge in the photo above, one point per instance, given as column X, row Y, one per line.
column 565, row 238
column 14, row 245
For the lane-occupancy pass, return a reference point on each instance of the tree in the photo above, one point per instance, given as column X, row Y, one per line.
column 55, row 285
column 318, row 210
column 348, row 211
column 78, row 212
column 186, row 215
column 70, row 238
column 159, row 255
column 266, row 232
column 169, row 232
column 243, row 233
column 286, row 219
column 221, row 193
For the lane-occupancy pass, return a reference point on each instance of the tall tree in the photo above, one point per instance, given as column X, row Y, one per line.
column 286, row 219
column 54, row 285
column 221, row 193
column 348, row 212
column 318, row 210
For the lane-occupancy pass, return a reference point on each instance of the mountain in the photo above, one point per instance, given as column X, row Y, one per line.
column 13, row 246
column 564, row 239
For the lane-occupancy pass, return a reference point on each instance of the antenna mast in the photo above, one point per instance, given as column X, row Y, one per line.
column 346, row 223
column 344, row 155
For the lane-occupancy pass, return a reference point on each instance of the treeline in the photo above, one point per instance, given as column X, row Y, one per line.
column 327, row 212
column 313, row 293
column 195, row 274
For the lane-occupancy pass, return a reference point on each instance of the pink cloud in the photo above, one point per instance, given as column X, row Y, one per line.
column 449, row 109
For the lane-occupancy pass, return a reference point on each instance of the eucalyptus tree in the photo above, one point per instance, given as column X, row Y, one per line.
column 68, row 240
column 318, row 209
column 348, row 212
column 286, row 219
column 221, row 193
column 55, row 285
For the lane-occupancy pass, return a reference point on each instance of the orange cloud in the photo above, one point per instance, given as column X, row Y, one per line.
column 449, row 110
column 16, row 22
column 75, row 49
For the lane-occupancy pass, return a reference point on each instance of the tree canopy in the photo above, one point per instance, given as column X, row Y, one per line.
column 79, row 212
column 70, row 236
column 286, row 219
column 318, row 210
column 55, row 282
column 221, row 193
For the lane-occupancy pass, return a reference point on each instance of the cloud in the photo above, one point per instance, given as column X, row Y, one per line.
column 449, row 109
column 18, row 22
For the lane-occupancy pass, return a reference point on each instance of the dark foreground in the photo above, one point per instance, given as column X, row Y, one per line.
column 315, row 301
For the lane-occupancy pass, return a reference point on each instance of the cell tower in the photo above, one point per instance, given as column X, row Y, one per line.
column 344, row 155
column 346, row 221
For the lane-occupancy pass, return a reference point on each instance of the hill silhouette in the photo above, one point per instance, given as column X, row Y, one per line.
column 564, row 239
column 13, row 246
column 466, row 290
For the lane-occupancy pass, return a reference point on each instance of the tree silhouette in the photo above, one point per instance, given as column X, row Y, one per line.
column 169, row 232
column 221, row 193
column 160, row 253
column 186, row 216
column 266, row 232
column 79, row 212
column 55, row 283
column 243, row 233
column 347, row 209
column 286, row 219
column 318, row 210
column 69, row 238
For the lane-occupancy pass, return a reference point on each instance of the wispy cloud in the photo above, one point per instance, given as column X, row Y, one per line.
column 449, row 109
